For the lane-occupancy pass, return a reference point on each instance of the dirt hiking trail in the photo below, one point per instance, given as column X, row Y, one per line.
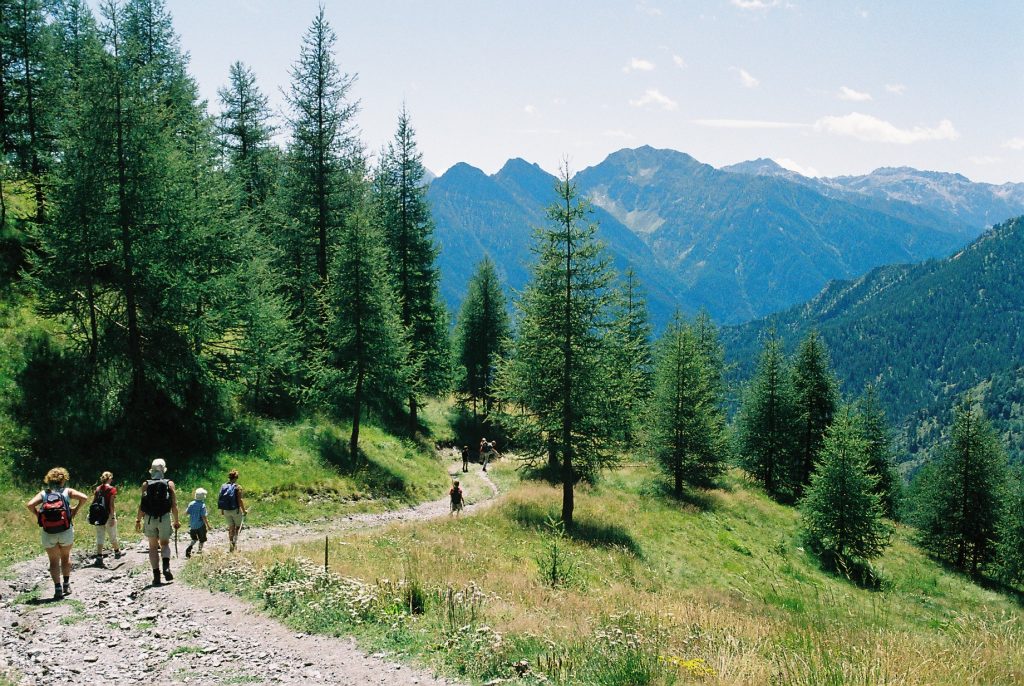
column 115, row 628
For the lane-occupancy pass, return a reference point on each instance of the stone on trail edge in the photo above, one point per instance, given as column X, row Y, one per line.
column 117, row 629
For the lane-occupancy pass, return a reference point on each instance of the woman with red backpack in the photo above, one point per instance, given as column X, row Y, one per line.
column 53, row 512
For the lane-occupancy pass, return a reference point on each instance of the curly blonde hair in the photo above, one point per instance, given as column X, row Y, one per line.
column 56, row 476
column 105, row 477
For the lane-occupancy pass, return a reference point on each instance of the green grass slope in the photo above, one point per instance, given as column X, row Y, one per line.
column 647, row 590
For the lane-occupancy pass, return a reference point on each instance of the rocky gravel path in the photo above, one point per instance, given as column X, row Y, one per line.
column 117, row 629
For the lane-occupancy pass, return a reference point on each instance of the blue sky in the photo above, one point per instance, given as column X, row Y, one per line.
column 827, row 88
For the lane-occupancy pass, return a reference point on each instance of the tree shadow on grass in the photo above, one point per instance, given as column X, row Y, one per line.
column 593, row 533
column 987, row 582
column 375, row 477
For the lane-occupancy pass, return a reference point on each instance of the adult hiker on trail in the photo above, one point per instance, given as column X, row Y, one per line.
column 198, row 523
column 231, row 505
column 465, row 458
column 103, row 515
column 457, row 498
column 159, row 503
column 53, row 512
column 486, row 452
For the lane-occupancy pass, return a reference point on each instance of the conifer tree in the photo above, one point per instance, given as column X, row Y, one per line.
column 404, row 213
column 245, row 131
column 1010, row 553
column 687, row 425
column 874, row 428
column 482, row 334
column 364, row 365
column 630, row 361
column 959, row 506
column 767, row 423
column 842, row 513
column 324, row 161
column 815, row 397
column 554, row 378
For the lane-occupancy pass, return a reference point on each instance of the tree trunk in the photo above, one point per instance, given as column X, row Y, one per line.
column 357, row 409
column 414, row 421
column 568, row 503
column 552, row 452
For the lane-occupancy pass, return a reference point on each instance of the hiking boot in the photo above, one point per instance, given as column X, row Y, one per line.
column 66, row 588
column 156, row 578
column 188, row 551
column 98, row 562
column 118, row 554
column 167, row 572
column 58, row 593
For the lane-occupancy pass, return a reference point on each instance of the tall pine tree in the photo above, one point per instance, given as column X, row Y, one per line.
column 404, row 212
column 842, row 513
column 687, row 424
column 815, row 397
column 553, row 382
column 874, row 428
column 482, row 335
column 630, row 361
column 959, row 504
column 1010, row 552
column 767, row 424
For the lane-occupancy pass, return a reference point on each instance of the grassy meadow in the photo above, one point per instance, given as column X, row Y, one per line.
column 645, row 590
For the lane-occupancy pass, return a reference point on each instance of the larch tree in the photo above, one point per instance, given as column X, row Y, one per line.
column 1010, row 551
column 874, row 428
column 245, row 129
column 482, row 334
column 404, row 214
column 815, row 396
column 324, row 162
column 842, row 515
column 960, row 504
column 553, row 382
column 686, row 423
column 767, row 423
column 630, row 361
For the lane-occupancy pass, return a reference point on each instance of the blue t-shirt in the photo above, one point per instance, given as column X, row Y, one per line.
column 196, row 511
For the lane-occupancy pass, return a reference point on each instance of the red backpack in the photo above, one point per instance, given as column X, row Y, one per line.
column 55, row 514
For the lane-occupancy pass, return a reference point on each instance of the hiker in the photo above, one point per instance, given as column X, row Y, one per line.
column 53, row 512
column 103, row 515
column 457, row 498
column 465, row 458
column 232, row 507
column 159, row 502
column 198, row 524
column 484, row 447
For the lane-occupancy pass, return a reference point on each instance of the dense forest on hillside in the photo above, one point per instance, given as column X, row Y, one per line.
column 923, row 335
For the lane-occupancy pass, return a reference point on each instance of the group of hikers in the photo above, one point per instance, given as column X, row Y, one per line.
column 156, row 518
column 488, row 452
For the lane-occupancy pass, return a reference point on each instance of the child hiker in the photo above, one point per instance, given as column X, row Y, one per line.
column 198, row 524
column 457, row 499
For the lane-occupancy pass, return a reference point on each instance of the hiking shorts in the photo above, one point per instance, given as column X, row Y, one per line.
column 107, row 530
column 457, row 507
column 198, row 534
column 64, row 538
column 233, row 517
column 157, row 527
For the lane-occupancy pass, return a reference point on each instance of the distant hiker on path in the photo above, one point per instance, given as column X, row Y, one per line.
column 457, row 498
column 103, row 515
column 53, row 512
column 198, row 524
column 231, row 505
column 465, row 458
column 159, row 502
column 484, row 454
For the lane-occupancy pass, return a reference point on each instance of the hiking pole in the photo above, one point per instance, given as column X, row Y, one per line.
column 175, row 543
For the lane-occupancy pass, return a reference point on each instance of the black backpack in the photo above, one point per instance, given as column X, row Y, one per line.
column 156, row 501
column 98, row 514
column 228, row 498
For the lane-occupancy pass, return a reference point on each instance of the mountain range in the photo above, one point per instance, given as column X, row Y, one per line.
column 741, row 242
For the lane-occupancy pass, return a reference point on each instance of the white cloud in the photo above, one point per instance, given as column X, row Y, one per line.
column 1015, row 143
column 530, row 110
column 984, row 159
column 847, row 93
column 789, row 164
column 637, row 64
column 648, row 9
column 746, row 124
column 653, row 96
column 756, row 4
column 867, row 128
column 679, row 61
column 617, row 133
column 896, row 88
column 746, row 79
